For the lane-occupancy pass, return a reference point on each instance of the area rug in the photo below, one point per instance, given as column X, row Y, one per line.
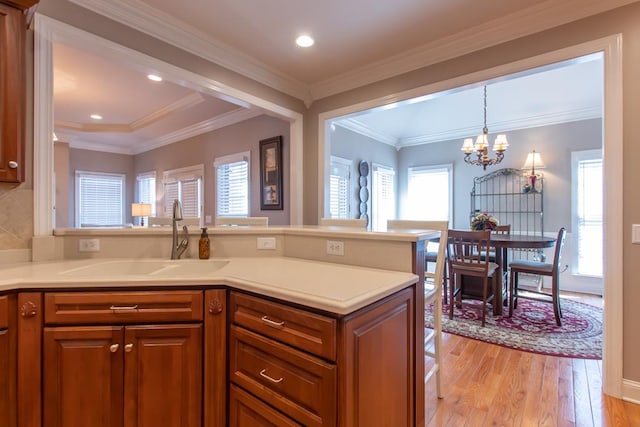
column 532, row 328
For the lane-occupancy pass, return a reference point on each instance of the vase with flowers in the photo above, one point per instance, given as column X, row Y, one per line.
column 483, row 221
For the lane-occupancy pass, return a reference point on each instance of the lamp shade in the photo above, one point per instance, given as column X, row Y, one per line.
column 534, row 161
column 140, row 209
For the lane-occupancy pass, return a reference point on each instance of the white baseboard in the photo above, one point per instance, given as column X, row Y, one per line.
column 631, row 391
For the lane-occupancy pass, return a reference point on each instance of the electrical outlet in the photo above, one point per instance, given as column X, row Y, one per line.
column 335, row 247
column 266, row 243
column 635, row 233
column 89, row 245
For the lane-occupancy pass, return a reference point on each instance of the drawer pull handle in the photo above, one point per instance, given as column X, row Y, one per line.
column 114, row 347
column 128, row 348
column 273, row 323
column 123, row 307
column 263, row 374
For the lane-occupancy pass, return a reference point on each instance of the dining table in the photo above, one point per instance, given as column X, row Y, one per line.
column 502, row 243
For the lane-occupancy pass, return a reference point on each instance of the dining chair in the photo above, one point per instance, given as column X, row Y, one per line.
column 465, row 256
column 542, row 269
column 360, row 223
column 242, row 220
column 500, row 229
column 432, row 293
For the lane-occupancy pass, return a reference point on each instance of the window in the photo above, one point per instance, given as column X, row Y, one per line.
column 429, row 193
column 339, row 184
column 383, row 203
column 185, row 185
column 146, row 187
column 99, row 199
column 587, row 197
column 232, row 184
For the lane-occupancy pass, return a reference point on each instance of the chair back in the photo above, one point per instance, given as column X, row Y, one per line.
column 503, row 229
column 344, row 222
column 242, row 220
column 466, row 252
column 558, row 250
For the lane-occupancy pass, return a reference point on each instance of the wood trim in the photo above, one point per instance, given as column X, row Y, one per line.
column 4, row 312
column 20, row 4
column 29, row 378
column 8, row 358
column 215, row 358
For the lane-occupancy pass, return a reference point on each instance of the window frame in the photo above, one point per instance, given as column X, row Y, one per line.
column 340, row 162
column 448, row 167
column 576, row 158
column 376, row 168
column 188, row 173
column 79, row 174
column 244, row 156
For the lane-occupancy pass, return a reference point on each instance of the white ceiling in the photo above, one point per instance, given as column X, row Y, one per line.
column 357, row 41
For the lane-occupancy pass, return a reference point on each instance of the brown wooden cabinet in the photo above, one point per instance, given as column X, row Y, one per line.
column 127, row 374
column 288, row 365
column 12, row 92
column 7, row 362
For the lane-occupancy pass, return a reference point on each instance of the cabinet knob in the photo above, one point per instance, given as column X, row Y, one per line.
column 114, row 347
column 128, row 348
column 215, row 306
column 28, row 309
column 13, row 164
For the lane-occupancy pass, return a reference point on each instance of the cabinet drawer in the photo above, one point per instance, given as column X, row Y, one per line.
column 307, row 331
column 247, row 411
column 4, row 312
column 122, row 307
column 296, row 383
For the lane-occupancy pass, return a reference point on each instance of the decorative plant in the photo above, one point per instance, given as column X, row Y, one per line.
column 483, row 221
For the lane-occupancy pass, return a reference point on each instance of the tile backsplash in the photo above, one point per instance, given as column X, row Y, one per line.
column 16, row 216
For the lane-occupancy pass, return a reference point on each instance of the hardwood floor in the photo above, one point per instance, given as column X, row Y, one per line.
column 489, row 385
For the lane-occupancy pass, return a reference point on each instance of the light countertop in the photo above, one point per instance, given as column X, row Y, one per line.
column 336, row 288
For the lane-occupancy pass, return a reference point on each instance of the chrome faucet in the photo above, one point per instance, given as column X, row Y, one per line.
column 177, row 249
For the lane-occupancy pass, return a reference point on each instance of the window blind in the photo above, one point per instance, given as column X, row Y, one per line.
column 185, row 185
column 147, row 190
column 383, row 201
column 232, row 186
column 339, row 184
column 100, row 199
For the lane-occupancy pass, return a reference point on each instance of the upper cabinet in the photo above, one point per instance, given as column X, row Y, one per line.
column 12, row 89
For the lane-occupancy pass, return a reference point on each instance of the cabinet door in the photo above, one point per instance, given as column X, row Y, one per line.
column 5, row 398
column 163, row 376
column 12, row 94
column 82, row 376
column 246, row 410
column 378, row 377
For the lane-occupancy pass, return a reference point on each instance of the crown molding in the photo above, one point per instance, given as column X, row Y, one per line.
column 537, row 18
column 464, row 132
column 80, row 144
column 205, row 126
column 188, row 101
column 168, row 29
column 362, row 129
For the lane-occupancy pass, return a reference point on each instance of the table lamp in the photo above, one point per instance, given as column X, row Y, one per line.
column 141, row 210
column 533, row 161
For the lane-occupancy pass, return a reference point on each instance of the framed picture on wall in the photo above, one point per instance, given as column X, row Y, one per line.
column 271, row 173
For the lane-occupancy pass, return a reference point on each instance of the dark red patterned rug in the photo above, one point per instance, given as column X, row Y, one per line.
column 532, row 328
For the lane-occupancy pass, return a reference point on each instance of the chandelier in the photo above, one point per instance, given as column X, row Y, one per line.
column 481, row 147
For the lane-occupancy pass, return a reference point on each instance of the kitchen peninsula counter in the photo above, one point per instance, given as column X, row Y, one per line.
column 334, row 288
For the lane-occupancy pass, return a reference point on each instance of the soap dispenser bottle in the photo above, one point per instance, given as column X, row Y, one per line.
column 203, row 244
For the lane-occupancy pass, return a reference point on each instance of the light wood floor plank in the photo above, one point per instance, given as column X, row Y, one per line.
column 489, row 385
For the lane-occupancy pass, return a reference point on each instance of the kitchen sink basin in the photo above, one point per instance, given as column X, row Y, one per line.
column 151, row 267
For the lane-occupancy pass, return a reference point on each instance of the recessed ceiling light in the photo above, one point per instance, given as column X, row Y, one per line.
column 96, row 116
column 305, row 41
column 154, row 78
